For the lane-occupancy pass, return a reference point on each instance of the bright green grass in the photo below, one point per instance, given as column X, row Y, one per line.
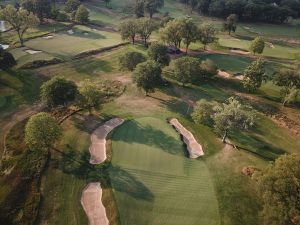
column 279, row 51
column 65, row 45
column 154, row 182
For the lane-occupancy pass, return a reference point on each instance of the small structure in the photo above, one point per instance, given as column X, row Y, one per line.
column 194, row 148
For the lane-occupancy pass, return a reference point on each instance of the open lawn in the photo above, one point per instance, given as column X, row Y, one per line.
column 66, row 44
column 154, row 182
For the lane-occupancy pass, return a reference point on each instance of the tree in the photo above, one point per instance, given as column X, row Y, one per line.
column 40, row 8
column 189, row 33
column 130, row 60
column 90, row 95
column 172, row 33
column 231, row 23
column 147, row 76
column 186, row 69
column 42, row 131
column 279, row 187
column 152, row 6
column 107, row 2
column 7, row 60
column 82, row 14
column 207, row 34
column 254, row 75
column 289, row 81
column 20, row 20
column 232, row 115
column 208, row 69
column 145, row 28
column 129, row 29
column 58, row 91
column 257, row 45
column 159, row 53
column 139, row 8
column 72, row 5
column 203, row 112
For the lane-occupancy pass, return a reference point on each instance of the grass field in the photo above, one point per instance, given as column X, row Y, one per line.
column 154, row 182
column 65, row 45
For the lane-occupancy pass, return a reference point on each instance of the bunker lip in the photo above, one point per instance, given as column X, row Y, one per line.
column 98, row 140
column 92, row 204
column 194, row 148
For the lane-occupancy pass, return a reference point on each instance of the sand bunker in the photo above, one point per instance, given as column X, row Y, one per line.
column 270, row 45
column 240, row 52
column 92, row 204
column 31, row 52
column 194, row 148
column 48, row 37
column 224, row 74
column 98, row 140
column 70, row 32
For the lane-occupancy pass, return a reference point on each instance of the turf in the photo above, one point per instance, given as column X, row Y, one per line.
column 154, row 182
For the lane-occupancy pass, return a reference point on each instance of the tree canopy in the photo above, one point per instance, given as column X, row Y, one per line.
column 129, row 60
column 145, row 28
column 129, row 29
column 279, row 187
column 82, row 14
column 58, row 91
column 257, row 45
column 42, row 131
column 159, row 53
column 230, row 24
column 254, row 75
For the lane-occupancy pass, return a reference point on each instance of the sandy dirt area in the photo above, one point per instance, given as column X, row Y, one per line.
column 240, row 52
column 92, row 204
column 98, row 140
column 194, row 148
column 222, row 73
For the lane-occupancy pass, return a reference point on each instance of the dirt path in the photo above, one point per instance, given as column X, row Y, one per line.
column 92, row 193
column 194, row 148
column 9, row 121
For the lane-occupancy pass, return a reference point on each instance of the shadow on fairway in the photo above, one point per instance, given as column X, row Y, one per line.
column 148, row 135
column 77, row 164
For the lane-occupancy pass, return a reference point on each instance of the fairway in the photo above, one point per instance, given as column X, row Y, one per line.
column 153, row 180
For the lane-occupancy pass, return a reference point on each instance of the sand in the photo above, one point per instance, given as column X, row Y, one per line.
column 70, row 32
column 240, row 52
column 222, row 73
column 32, row 52
column 98, row 140
column 92, row 204
column 194, row 148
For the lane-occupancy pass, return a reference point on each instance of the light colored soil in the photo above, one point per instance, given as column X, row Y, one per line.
column 92, row 204
column 240, row 52
column 48, row 37
column 224, row 74
column 270, row 45
column 194, row 148
column 124, row 79
column 32, row 52
column 98, row 140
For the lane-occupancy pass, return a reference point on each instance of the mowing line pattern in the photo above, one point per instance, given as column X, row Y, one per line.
column 154, row 182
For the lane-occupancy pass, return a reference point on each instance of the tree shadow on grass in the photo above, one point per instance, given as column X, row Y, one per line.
column 77, row 164
column 148, row 135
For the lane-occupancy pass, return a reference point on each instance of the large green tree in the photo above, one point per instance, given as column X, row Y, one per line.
column 7, row 60
column 189, row 33
column 40, row 8
column 257, row 45
column 279, row 188
column 82, row 14
column 72, row 5
column 58, row 91
column 232, row 115
column 42, row 131
column 147, row 76
column 289, row 81
column 171, row 33
column 152, row 6
column 19, row 19
column 203, row 111
column 159, row 53
column 254, row 75
column 145, row 28
column 129, row 60
column 231, row 23
column 129, row 29
column 207, row 34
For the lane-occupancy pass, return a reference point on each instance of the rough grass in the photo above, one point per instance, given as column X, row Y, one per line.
column 154, row 182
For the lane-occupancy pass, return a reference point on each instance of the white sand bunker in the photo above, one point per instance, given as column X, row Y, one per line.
column 98, row 140
column 194, row 148
column 270, row 45
column 92, row 204
column 240, row 52
column 85, row 33
column 31, row 52
column 70, row 32
column 222, row 73
column 49, row 37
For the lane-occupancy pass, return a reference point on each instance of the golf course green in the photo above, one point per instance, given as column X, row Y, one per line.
column 155, row 182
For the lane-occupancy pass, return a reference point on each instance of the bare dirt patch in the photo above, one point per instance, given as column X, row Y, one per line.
column 92, row 204
column 240, row 52
column 194, row 148
column 224, row 74
column 98, row 140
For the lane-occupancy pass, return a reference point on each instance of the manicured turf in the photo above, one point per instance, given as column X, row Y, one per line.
column 83, row 39
column 154, row 182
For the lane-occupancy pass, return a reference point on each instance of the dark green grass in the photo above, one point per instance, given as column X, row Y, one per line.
column 155, row 183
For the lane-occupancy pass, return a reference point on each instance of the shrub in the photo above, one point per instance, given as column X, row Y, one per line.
column 129, row 60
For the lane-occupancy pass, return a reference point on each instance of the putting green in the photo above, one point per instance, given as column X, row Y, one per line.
column 154, row 182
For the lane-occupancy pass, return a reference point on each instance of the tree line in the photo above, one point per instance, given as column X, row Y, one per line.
column 270, row 11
